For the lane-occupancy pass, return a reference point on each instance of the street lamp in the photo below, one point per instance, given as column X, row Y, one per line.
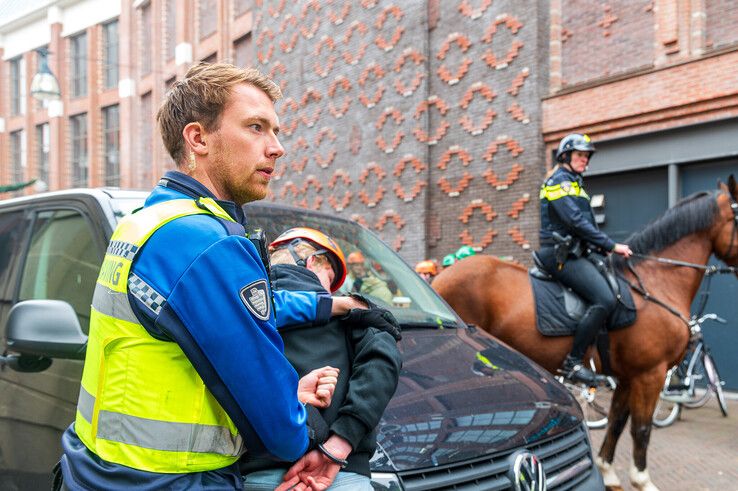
column 44, row 85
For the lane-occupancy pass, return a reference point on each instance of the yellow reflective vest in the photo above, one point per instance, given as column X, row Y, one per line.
column 142, row 404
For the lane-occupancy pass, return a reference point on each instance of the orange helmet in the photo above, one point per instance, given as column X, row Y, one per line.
column 355, row 257
column 428, row 267
column 323, row 244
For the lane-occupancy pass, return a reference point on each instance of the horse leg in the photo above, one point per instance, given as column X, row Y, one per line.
column 643, row 398
column 618, row 417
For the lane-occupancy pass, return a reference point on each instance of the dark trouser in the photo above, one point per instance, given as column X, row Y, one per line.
column 582, row 276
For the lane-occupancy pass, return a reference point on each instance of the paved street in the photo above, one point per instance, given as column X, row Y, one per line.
column 697, row 453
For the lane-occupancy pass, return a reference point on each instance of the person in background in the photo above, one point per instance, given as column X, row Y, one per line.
column 427, row 270
column 368, row 359
column 364, row 281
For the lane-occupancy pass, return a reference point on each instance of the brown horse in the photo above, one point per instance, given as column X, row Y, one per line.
column 497, row 296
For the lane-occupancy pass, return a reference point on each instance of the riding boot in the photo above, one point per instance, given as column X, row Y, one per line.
column 573, row 367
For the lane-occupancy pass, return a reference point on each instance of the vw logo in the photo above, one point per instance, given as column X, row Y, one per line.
column 526, row 472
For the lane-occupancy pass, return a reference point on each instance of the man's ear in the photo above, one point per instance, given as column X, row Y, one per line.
column 194, row 136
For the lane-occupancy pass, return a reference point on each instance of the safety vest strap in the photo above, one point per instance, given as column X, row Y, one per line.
column 557, row 191
column 159, row 435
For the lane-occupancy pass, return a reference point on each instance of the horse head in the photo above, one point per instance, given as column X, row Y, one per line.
column 725, row 236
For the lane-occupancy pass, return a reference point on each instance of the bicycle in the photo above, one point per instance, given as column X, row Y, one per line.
column 697, row 365
column 680, row 386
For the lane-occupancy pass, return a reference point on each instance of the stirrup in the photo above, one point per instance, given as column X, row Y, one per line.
column 579, row 374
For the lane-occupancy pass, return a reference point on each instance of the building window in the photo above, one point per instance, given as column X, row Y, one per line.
column 78, row 78
column 208, row 16
column 242, row 55
column 240, row 7
column 145, row 37
column 78, row 129
column 110, row 47
column 211, row 59
column 17, row 86
column 171, row 23
column 17, row 156
column 43, row 144
column 146, row 148
column 111, row 142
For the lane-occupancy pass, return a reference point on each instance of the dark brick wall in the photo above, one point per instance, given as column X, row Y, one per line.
column 604, row 39
column 348, row 130
column 368, row 140
column 485, row 169
column 722, row 22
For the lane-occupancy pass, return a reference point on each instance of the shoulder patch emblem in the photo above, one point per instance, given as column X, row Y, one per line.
column 566, row 186
column 255, row 296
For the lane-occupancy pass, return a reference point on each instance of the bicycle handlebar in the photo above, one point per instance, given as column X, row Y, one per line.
column 713, row 317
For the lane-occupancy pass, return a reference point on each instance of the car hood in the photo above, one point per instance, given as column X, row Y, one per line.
column 462, row 394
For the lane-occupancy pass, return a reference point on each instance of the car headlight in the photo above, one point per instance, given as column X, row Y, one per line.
column 385, row 481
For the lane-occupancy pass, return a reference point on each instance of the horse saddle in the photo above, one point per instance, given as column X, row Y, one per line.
column 559, row 308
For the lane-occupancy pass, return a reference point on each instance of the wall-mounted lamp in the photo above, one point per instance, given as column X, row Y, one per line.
column 44, row 85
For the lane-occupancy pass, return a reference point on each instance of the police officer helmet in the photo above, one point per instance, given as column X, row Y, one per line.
column 465, row 251
column 323, row 245
column 571, row 142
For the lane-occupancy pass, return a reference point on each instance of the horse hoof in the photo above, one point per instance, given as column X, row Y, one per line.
column 641, row 480
column 612, row 483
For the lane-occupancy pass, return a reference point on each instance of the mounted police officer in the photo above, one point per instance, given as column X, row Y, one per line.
column 568, row 233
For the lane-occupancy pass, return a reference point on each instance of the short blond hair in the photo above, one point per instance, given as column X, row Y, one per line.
column 201, row 97
column 303, row 249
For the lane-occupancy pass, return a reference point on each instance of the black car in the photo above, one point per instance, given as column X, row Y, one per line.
column 469, row 412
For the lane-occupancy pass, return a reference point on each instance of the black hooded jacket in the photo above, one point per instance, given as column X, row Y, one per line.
column 369, row 362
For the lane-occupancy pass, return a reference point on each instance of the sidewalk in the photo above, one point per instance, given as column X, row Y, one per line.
column 699, row 452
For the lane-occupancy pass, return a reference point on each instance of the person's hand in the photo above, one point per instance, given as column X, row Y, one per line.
column 342, row 305
column 376, row 317
column 314, row 471
column 316, row 388
column 623, row 250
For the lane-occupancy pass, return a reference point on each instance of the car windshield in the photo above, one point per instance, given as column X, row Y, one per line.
column 375, row 270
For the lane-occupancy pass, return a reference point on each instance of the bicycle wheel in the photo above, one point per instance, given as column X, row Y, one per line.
column 715, row 384
column 666, row 413
column 698, row 377
column 595, row 404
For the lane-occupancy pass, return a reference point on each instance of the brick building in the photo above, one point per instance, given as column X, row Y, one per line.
column 430, row 122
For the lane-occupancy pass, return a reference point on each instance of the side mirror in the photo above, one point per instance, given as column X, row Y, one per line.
column 42, row 329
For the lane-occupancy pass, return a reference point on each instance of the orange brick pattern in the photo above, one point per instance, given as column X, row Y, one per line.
column 378, row 103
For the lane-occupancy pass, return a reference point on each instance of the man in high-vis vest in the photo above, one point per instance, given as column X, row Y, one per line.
column 185, row 370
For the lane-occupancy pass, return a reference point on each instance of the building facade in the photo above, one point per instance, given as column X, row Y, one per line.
column 430, row 122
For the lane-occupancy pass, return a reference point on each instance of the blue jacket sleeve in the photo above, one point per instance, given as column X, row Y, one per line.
column 572, row 216
column 244, row 353
column 294, row 308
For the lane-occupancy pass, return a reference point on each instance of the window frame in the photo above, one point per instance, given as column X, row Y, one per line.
column 73, row 139
column 111, row 75
column 78, row 55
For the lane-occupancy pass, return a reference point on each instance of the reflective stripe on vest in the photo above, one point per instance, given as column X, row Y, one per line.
column 557, row 191
column 142, row 404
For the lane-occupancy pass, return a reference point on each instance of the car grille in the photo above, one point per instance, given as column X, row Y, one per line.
column 566, row 460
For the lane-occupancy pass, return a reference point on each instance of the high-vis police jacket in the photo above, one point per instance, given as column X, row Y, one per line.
column 184, row 367
column 565, row 209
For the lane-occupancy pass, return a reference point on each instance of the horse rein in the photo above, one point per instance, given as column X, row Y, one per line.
column 709, row 270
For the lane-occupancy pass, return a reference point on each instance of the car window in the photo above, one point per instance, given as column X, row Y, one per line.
column 11, row 236
column 382, row 276
column 63, row 262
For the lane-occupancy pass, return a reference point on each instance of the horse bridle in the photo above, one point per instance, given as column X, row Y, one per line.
column 709, row 270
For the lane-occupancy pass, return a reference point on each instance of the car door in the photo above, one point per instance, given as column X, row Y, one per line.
column 60, row 260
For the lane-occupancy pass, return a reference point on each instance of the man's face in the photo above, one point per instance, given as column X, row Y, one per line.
column 579, row 161
column 242, row 153
column 357, row 270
